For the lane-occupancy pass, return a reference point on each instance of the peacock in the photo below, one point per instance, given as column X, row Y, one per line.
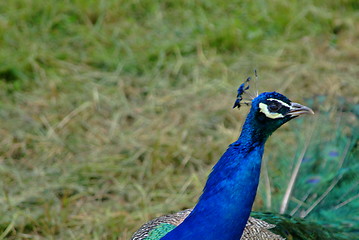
column 223, row 210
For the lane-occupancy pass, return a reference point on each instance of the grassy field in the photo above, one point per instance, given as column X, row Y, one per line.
column 113, row 112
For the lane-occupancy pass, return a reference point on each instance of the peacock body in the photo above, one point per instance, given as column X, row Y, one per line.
column 223, row 210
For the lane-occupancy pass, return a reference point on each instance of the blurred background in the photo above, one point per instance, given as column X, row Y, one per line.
column 113, row 112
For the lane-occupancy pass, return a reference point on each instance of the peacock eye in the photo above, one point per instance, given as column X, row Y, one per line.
column 274, row 106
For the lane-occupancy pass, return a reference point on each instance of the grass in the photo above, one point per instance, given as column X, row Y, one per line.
column 113, row 112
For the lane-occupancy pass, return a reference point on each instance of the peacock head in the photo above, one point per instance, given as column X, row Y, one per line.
column 270, row 110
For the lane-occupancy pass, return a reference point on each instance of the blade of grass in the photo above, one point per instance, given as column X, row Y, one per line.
column 294, row 176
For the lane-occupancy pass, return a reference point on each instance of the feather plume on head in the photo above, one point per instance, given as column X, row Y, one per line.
column 241, row 90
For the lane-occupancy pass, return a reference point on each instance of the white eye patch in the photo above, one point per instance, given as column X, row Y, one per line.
column 264, row 109
column 281, row 102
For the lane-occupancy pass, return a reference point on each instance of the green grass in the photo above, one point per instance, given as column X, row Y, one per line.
column 113, row 112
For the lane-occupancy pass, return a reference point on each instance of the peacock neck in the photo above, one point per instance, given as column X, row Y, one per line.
column 253, row 133
column 224, row 207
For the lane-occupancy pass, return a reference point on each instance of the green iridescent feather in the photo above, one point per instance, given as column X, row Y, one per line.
column 160, row 231
column 300, row 229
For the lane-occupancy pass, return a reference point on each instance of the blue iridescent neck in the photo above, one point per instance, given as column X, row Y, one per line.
column 224, row 207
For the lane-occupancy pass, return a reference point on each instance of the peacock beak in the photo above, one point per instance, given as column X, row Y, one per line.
column 297, row 109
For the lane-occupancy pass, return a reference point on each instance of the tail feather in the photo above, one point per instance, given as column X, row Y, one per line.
column 297, row 228
column 326, row 188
